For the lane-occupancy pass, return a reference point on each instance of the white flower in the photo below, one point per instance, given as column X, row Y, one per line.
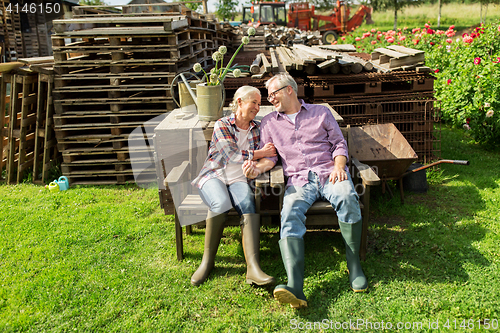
column 251, row 31
column 467, row 127
column 236, row 72
column 212, row 71
column 216, row 56
column 487, row 105
column 245, row 40
column 490, row 113
column 222, row 49
column 197, row 67
column 213, row 77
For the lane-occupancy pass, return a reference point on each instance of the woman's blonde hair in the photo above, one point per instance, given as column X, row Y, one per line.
column 243, row 93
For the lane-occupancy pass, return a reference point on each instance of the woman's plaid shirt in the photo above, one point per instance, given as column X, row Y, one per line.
column 223, row 149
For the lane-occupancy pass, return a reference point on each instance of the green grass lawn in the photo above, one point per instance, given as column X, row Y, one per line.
column 458, row 14
column 103, row 259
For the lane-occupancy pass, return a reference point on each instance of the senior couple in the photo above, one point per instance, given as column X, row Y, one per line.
column 314, row 156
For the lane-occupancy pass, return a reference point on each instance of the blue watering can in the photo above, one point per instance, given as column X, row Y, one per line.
column 63, row 183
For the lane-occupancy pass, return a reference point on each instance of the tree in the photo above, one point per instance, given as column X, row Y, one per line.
column 323, row 5
column 226, row 9
column 485, row 3
column 193, row 5
column 395, row 5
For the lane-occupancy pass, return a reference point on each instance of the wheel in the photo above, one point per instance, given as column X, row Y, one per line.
column 329, row 37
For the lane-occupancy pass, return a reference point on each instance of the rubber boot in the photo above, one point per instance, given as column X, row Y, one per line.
column 351, row 232
column 250, row 238
column 292, row 253
column 213, row 234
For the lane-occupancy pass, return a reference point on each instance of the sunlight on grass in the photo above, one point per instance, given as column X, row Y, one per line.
column 458, row 14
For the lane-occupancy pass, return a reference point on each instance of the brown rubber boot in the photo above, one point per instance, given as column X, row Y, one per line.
column 213, row 234
column 250, row 236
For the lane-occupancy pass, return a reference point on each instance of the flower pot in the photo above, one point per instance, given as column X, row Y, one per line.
column 209, row 101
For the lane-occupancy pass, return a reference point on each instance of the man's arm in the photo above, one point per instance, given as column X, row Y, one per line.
column 252, row 169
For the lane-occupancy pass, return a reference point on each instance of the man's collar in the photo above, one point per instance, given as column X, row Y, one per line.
column 303, row 106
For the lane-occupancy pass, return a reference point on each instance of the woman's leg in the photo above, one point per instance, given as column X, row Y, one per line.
column 244, row 202
column 215, row 195
column 242, row 198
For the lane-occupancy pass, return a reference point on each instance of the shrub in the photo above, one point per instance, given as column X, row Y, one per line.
column 467, row 71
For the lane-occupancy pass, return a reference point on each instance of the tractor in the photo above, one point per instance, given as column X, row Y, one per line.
column 301, row 15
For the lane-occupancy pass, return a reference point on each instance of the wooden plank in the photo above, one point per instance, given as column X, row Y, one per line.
column 378, row 52
column 320, row 54
column 3, row 121
column 266, row 64
column 120, row 20
column 299, row 63
column 405, row 50
column 285, row 59
column 306, row 57
column 14, row 107
column 338, row 47
column 274, row 61
column 327, row 63
column 118, row 31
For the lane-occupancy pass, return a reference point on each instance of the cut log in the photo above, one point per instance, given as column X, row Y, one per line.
column 255, row 67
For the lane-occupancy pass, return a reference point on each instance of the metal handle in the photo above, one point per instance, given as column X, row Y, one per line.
column 461, row 162
column 174, row 81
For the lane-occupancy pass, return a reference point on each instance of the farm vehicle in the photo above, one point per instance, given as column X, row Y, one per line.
column 302, row 15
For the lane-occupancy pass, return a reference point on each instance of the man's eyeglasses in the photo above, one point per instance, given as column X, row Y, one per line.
column 273, row 94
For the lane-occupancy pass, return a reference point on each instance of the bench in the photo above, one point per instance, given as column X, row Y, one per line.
column 190, row 206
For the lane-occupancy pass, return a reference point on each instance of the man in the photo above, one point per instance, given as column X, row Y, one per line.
column 314, row 156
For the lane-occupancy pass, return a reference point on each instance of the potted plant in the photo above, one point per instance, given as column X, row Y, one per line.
column 210, row 94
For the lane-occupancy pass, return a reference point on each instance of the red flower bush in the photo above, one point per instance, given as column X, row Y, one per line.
column 467, row 39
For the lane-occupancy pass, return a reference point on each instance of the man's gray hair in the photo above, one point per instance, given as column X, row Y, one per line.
column 284, row 79
column 243, row 92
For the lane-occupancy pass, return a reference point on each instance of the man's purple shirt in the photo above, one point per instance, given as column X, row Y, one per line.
column 312, row 143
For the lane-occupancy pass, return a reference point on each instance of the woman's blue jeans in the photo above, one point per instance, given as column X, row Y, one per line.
column 220, row 197
column 297, row 201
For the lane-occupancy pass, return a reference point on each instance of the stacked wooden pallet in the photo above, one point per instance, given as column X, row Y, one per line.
column 28, row 141
column 114, row 73
column 24, row 29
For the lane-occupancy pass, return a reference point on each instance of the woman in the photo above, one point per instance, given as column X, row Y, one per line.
column 222, row 184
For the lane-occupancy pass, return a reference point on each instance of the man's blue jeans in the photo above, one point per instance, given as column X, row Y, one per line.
column 297, row 201
column 220, row 197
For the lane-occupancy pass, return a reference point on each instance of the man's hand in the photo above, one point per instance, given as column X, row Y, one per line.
column 338, row 172
column 250, row 169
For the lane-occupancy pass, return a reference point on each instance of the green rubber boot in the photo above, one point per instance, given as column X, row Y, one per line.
column 213, row 234
column 250, row 238
column 351, row 232
column 292, row 253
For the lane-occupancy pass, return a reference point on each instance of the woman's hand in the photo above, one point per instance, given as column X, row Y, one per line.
column 250, row 169
column 267, row 151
